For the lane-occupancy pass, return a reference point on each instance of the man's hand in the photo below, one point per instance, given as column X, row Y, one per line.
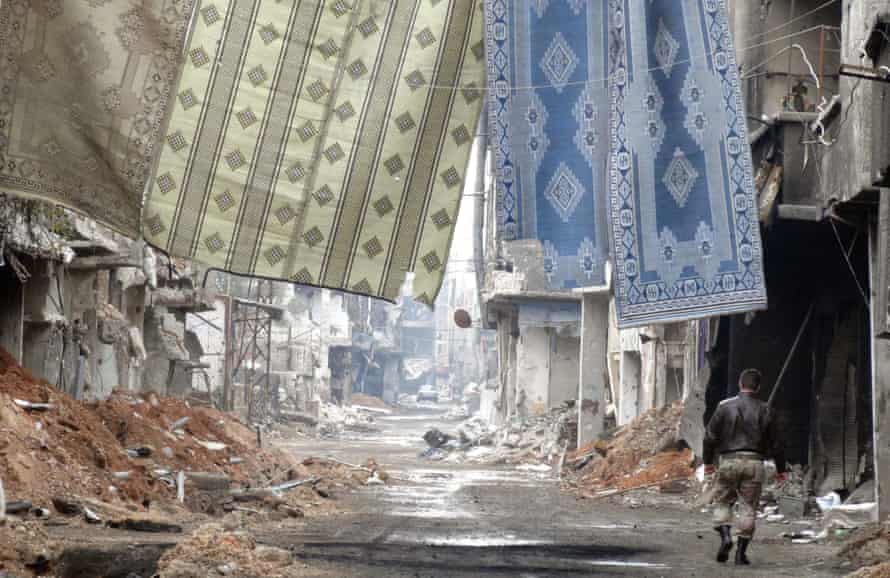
column 781, row 479
column 709, row 474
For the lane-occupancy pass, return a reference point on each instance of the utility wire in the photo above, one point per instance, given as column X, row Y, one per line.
column 849, row 263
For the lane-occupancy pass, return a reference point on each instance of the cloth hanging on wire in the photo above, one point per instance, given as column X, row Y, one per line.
column 647, row 94
column 685, row 231
column 549, row 116
column 83, row 92
column 322, row 142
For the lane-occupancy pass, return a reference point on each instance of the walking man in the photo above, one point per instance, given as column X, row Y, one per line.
column 742, row 433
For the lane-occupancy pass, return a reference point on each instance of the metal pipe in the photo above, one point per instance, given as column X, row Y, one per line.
column 803, row 326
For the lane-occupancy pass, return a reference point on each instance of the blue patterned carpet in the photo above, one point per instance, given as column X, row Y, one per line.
column 631, row 111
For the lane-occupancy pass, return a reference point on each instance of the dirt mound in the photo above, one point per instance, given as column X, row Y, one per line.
column 878, row 571
column 644, row 452
column 368, row 401
column 214, row 550
column 127, row 448
column 867, row 546
column 65, row 449
column 25, row 548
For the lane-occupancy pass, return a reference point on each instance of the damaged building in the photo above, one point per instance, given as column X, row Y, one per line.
column 820, row 162
column 818, row 128
column 90, row 310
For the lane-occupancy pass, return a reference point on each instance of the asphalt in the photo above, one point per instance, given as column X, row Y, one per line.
column 439, row 519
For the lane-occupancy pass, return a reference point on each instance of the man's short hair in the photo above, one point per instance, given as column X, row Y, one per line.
column 750, row 379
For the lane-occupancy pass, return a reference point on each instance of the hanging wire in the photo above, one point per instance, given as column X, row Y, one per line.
column 846, row 255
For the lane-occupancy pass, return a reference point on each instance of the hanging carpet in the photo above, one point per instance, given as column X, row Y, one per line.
column 685, row 231
column 549, row 113
column 83, row 92
column 322, row 142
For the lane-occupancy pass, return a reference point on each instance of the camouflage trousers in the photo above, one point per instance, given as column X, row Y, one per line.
column 739, row 479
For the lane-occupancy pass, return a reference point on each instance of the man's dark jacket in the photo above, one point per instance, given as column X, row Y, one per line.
column 743, row 424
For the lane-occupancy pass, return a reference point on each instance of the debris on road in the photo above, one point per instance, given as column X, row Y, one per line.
column 130, row 451
column 25, row 548
column 524, row 440
column 214, row 549
column 368, row 401
column 645, row 453
column 335, row 420
column 877, row 571
column 867, row 546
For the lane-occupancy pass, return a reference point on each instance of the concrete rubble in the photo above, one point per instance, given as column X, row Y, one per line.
column 646, row 453
column 139, row 463
column 224, row 550
column 523, row 440
column 335, row 421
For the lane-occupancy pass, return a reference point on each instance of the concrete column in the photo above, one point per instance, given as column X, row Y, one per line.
column 564, row 363
column 533, row 371
column 630, row 377
column 880, row 377
column 661, row 371
column 391, row 379
column 593, row 370
column 649, row 370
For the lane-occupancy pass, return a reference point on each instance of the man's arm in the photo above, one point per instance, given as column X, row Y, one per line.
column 774, row 444
column 712, row 436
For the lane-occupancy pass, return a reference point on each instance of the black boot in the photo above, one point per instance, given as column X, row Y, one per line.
column 725, row 543
column 741, row 558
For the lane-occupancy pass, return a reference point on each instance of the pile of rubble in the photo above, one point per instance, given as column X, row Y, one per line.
column 867, row 548
column 223, row 550
column 140, row 452
column 25, row 549
column 523, row 440
column 336, row 421
column 828, row 518
column 644, row 453
column 368, row 401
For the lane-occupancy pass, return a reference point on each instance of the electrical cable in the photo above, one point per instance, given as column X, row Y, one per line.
column 849, row 263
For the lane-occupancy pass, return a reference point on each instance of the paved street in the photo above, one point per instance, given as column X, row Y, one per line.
column 451, row 520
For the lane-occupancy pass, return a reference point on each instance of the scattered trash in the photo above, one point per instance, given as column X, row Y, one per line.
column 542, row 468
column 30, row 406
column 18, row 507
column 178, row 424
column 41, row 513
column 140, row 452
column 91, row 517
column 437, row 439
column 828, row 502
column 180, row 487
column 212, row 446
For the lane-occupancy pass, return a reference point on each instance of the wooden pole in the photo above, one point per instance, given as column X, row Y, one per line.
column 228, row 393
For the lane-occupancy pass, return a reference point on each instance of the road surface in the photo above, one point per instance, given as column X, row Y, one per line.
column 445, row 520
